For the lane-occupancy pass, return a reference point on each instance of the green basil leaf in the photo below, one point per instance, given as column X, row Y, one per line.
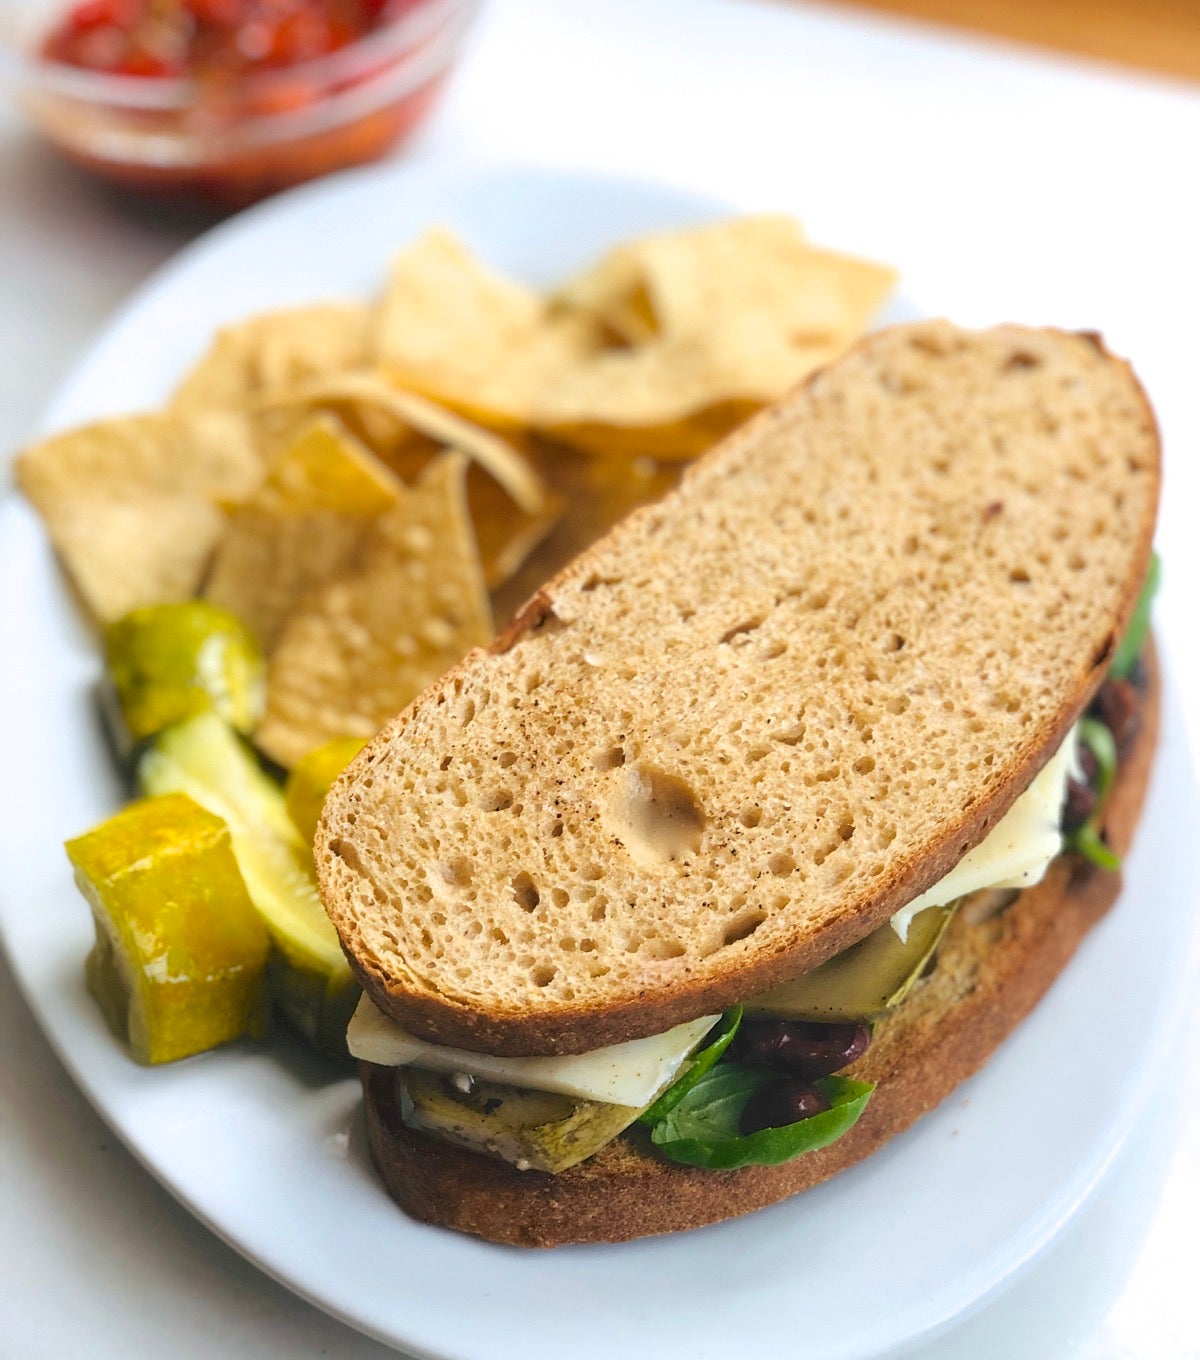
column 717, row 1040
column 1088, row 842
column 1139, row 624
column 1100, row 741
column 704, row 1129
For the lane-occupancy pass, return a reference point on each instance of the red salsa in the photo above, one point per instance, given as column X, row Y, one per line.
column 256, row 110
column 207, row 39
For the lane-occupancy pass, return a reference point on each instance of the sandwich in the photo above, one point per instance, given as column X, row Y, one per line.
column 767, row 819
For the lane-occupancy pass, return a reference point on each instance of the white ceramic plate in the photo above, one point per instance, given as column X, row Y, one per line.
column 269, row 1154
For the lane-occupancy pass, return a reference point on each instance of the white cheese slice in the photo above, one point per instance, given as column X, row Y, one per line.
column 632, row 1073
column 1017, row 850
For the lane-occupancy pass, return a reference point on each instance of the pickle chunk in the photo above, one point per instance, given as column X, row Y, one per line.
column 310, row 979
column 865, row 981
column 168, row 662
column 179, row 955
column 534, row 1130
column 312, row 777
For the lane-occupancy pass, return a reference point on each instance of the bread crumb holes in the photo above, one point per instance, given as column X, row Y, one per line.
column 525, row 892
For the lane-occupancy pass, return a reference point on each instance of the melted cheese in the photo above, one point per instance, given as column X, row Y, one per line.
column 632, row 1073
column 1018, row 849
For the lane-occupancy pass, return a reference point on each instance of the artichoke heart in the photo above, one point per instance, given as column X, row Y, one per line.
column 534, row 1130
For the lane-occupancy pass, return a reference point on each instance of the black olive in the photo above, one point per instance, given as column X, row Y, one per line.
column 800, row 1047
column 781, row 1102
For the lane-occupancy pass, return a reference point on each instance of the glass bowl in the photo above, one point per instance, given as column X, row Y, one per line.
column 175, row 138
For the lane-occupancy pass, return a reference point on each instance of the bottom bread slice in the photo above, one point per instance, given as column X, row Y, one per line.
column 989, row 976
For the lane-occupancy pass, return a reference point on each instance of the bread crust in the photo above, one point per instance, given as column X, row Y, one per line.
column 542, row 1023
column 989, row 976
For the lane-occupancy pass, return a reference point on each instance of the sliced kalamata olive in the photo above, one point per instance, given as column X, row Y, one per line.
column 1139, row 676
column 800, row 1047
column 781, row 1102
column 1118, row 706
column 1080, row 804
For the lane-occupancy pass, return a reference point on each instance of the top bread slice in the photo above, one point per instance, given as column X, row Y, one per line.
column 757, row 718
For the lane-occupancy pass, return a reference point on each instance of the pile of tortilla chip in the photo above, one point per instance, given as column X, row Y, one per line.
column 660, row 348
column 366, row 484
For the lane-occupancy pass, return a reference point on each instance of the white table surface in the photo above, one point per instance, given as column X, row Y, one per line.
column 1006, row 186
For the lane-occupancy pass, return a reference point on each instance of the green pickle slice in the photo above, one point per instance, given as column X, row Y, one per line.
column 168, row 662
column 178, row 961
column 863, row 982
column 309, row 977
column 312, row 777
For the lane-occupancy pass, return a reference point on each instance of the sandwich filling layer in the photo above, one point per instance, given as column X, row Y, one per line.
column 1014, row 855
column 783, row 1078
column 632, row 1073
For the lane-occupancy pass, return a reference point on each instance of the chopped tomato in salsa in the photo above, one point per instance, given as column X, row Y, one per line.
column 230, row 133
column 209, row 39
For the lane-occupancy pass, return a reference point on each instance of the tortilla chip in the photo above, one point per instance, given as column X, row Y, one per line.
column 462, row 335
column 506, row 535
column 718, row 321
column 675, row 396
column 694, row 278
column 279, row 415
column 361, row 648
column 276, row 350
column 131, row 504
column 595, row 494
column 442, row 307
column 674, row 441
column 496, row 457
column 677, row 335
column 506, row 398
column 510, row 507
column 324, row 469
column 423, row 417
column 617, row 287
column 302, row 528
column 614, row 291
column 632, row 319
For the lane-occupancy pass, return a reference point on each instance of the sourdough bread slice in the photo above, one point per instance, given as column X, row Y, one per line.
column 988, row 976
column 757, row 718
